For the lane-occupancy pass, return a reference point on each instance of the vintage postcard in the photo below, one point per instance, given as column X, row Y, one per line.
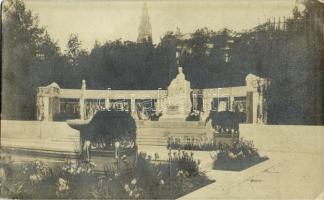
column 162, row 99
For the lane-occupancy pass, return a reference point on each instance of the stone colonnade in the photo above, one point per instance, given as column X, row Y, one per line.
column 48, row 99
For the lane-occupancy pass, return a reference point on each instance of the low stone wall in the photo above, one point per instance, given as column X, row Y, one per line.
column 39, row 135
column 285, row 138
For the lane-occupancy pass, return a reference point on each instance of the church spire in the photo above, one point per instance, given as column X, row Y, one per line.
column 144, row 29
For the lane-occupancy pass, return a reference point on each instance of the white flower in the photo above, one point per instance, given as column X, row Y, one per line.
column 79, row 170
column 89, row 170
column 231, row 155
column 83, row 169
column 33, row 178
column 74, row 166
column 126, row 187
column 62, row 185
column 180, row 173
column 2, row 173
column 186, row 173
column 37, row 162
column 131, row 193
column 71, row 171
column 39, row 177
column 133, row 182
column 162, row 182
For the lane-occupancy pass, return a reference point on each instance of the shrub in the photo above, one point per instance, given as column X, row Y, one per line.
column 107, row 127
column 226, row 121
column 240, row 155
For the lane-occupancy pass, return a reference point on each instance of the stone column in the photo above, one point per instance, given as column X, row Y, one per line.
column 194, row 100
column 107, row 103
column 255, row 105
column 159, row 101
column 231, row 101
column 133, row 108
column 206, row 107
column 82, row 99
column 107, row 100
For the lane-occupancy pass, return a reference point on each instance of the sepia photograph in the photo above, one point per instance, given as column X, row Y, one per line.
column 162, row 99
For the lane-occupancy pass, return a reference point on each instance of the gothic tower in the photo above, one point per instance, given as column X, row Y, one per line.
column 144, row 29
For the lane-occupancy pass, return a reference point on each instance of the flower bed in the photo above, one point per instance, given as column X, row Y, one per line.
column 124, row 161
column 170, row 179
column 237, row 157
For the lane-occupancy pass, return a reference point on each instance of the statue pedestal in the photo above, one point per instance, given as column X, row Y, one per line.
column 175, row 112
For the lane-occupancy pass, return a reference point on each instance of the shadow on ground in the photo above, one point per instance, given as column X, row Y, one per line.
column 237, row 165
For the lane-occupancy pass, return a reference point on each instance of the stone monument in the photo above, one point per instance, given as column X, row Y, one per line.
column 177, row 105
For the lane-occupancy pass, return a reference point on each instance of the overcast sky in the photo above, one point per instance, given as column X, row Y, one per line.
column 110, row 20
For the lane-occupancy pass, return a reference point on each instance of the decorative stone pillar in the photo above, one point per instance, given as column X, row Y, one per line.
column 42, row 107
column 256, row 88
column 82, row 100
column 48, row 102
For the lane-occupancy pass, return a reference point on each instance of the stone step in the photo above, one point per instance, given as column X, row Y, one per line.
column 151, row 140
column 150, row 137
column 166, row 135
column 152, row 144
column 172, row 124
column 171, row 128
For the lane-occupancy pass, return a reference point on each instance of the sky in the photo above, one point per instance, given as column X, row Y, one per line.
column 110, row 20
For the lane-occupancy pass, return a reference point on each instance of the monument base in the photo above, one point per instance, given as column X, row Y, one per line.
column 171, row 118
column 174, row 113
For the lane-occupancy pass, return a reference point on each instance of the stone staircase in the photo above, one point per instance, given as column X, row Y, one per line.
column 156, row 133
column 154, row 140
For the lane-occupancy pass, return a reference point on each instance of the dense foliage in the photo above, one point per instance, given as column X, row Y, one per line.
column 108, row 127
column 290, row 56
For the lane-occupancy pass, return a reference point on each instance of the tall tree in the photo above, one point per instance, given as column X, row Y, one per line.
column 25, row 46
